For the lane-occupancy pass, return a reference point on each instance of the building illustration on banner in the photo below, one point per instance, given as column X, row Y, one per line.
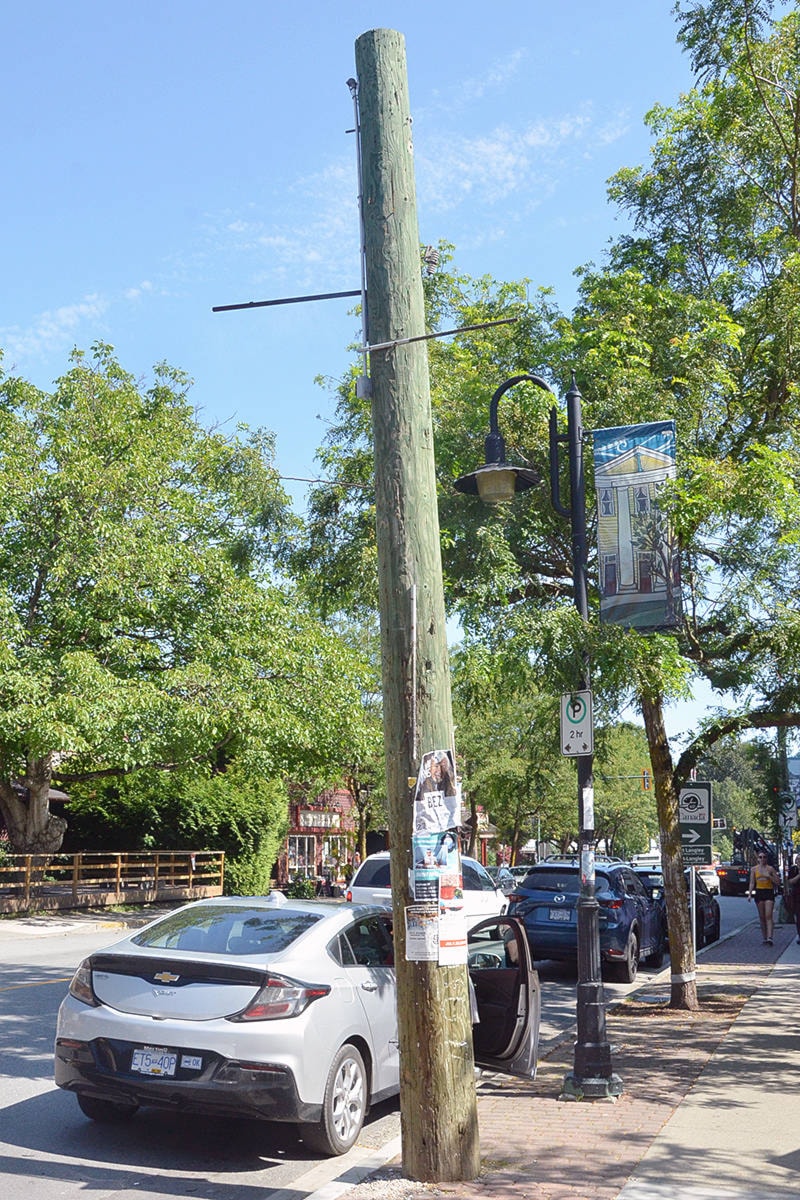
column 639, row 564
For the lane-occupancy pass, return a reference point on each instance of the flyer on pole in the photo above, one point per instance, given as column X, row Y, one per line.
column 422, row 933
column 437, row 799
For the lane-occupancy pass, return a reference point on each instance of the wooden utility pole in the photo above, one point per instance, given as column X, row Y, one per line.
column 437, row 1087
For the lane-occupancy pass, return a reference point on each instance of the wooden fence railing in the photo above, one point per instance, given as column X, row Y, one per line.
column 40, row 881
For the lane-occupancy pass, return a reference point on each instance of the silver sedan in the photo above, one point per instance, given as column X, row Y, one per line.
column 265, row 1007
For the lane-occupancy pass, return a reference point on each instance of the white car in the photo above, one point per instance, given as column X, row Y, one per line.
column 278, row 1009
column 481, row 895
column 710, row 878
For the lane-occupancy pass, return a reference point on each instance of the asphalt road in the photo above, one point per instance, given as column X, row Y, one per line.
column 50, row 1151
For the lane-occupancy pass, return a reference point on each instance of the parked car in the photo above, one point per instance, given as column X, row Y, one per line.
column 710, row 878
column 734, row 878
column 631, row 926
column 278, row 1009
column 707, row 911
column 482, row 897
column 506, row 878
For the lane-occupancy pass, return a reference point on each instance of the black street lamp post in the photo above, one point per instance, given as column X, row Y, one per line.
column 592, row 1077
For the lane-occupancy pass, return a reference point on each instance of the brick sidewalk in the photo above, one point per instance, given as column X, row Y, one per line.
column 535, row 1147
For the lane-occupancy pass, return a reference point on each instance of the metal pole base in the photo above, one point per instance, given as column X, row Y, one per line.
column 591, row 1089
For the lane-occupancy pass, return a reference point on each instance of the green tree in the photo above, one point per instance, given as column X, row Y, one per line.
column 142, row 630
column 508, row 753
column 739, row 773
column 625, row 816
column 243, row 816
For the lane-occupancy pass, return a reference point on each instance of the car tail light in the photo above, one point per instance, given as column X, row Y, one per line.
column 348, row 896
column 81, row 985
column 515, row 897
column 280, row 998
column 610, row 903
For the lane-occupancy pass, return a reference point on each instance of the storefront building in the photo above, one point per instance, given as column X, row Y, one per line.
column 321, row 841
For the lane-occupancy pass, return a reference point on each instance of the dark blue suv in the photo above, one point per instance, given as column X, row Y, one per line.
column 631, row 926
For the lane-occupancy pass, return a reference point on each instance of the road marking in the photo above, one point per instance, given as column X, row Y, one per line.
column 13, row 987
column 352, row 1168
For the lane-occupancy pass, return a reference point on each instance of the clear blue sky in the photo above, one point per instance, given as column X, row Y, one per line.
column 164, row 157
column 167, row 156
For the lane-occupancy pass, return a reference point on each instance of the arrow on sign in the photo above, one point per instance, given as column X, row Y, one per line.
column 692, row 836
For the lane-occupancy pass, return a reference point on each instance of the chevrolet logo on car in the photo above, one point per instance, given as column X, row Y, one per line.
column 166, row 977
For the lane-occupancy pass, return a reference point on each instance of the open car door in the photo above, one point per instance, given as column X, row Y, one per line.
column 506, row 995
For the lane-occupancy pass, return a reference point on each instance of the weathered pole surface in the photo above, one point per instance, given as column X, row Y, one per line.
column 437, row 1086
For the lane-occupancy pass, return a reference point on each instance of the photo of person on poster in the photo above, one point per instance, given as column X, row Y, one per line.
column 437, row 801
column 447, row 851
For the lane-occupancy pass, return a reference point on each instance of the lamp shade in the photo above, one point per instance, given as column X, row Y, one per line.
column 496, row 485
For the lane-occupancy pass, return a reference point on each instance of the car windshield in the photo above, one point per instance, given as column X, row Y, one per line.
column 228, row 929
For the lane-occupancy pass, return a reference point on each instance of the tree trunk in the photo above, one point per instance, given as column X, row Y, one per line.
column 683, row 988
column 32, row 828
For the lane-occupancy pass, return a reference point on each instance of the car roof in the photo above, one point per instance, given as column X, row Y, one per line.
column 574, row 863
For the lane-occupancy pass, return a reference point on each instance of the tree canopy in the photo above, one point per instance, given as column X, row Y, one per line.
column 143, row 627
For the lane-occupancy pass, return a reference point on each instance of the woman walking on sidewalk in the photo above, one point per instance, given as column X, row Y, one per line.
column 764, row 882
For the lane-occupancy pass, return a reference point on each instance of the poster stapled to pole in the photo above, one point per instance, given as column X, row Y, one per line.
column 637, row 551
column 422, row 932
column 437, row 865
column 437, row 798
column 452, row 936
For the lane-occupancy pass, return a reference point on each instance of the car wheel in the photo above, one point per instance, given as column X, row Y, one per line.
column 657, row 958
column 700, row 935
column 343, row 1107
column 716, row 930
column 625, row 971
column 106, row 1111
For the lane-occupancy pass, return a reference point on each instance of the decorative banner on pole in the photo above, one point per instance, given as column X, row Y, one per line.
column 637, row 553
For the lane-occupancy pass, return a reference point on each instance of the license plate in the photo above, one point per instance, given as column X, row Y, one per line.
column 154, row 1060
column 560, row 914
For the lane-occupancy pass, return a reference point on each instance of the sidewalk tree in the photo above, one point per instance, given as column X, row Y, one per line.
column 142, row 631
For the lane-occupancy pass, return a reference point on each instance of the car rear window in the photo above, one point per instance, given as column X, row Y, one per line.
column 553, row 880
column 475, row 879
column 373, row 874
column 231, row 930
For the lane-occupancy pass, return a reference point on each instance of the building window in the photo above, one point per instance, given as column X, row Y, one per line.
column 335, row 853
column 642, row 498
column 607, row 502
column 302, row 858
